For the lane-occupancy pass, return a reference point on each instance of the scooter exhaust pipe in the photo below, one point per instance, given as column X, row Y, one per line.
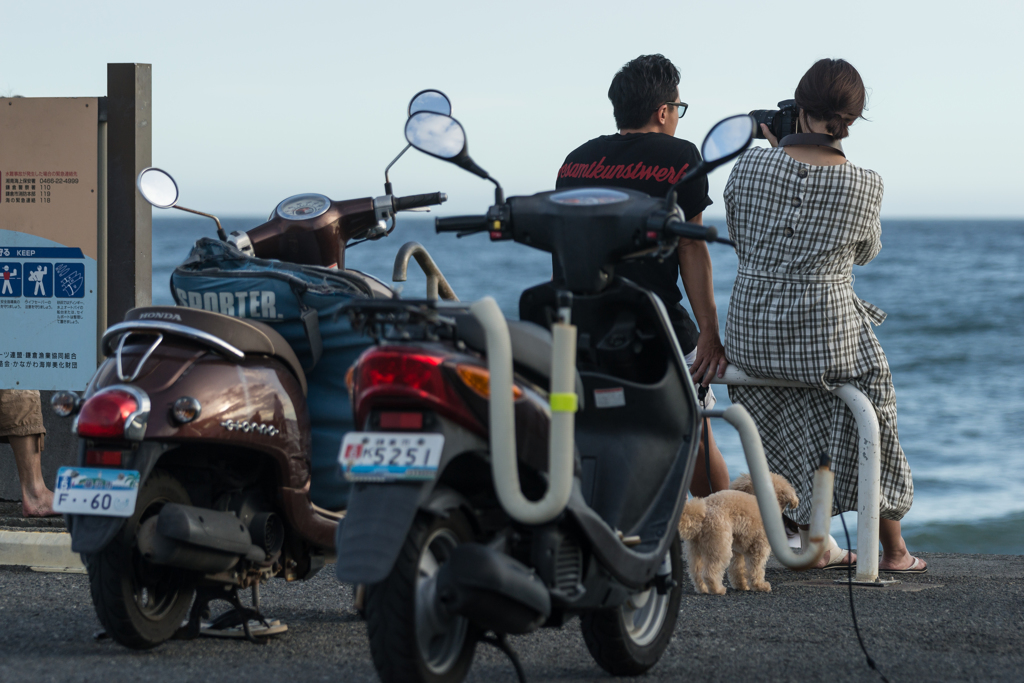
column 203, row 540
column 158, row 549
column 494, row 591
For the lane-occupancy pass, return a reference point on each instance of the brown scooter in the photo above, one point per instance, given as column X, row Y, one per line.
column 202, row 418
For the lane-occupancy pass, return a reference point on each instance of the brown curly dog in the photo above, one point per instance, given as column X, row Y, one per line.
column 724, row 531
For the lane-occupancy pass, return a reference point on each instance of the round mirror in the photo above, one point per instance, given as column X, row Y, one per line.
column 430, row 100
column 436, row 134
column 158, row 188
column 728, row 138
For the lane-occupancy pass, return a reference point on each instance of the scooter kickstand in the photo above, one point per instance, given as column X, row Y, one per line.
column 500, row 641
column 247, row 613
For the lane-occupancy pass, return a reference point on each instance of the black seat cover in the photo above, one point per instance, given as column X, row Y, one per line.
column 248, row 336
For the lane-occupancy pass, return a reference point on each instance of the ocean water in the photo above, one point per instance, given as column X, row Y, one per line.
column 954, row 295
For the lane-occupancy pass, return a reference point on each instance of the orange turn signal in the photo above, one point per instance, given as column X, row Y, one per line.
column 479, row 380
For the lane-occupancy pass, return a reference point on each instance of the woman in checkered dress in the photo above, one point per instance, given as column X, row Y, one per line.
column 801, row 217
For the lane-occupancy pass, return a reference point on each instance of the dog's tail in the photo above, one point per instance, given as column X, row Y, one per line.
column 743, row 483
column 693, row 518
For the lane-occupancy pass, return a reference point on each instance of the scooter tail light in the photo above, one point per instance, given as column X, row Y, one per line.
column 401, row 420
column 389, row 377
column 113, row 414
column 415, row 371
column 103, row 458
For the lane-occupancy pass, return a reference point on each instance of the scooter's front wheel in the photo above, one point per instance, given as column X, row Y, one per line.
column 630, row 639
column 140, row 604
column 411, row 638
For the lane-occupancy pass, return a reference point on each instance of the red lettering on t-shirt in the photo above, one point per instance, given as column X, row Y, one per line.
column 679, row 176
column 637, row 171
column 648, row 172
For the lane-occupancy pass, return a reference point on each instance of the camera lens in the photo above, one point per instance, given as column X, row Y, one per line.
column 765, row 116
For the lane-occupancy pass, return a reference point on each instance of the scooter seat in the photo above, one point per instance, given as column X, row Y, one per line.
column 531, row 347
column 248, row 336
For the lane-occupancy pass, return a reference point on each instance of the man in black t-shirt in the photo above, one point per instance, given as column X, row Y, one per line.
column 645, row 156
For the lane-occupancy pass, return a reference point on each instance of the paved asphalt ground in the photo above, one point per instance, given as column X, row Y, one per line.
column 963, row 621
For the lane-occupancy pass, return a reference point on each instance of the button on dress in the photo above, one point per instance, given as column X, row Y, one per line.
column 799, row 229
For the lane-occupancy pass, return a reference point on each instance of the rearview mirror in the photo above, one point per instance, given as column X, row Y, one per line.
column 727, row 139
column 431, row 100
column 438, row 135
column 157, row 187
column 443, row 137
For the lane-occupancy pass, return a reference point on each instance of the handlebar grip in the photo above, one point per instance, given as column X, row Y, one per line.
column 692, row 231
column 461, row 223
column 415, row 201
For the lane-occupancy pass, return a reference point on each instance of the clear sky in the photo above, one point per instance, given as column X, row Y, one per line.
column 258, row 100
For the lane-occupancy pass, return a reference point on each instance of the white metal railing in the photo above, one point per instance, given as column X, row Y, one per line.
column 869, row 460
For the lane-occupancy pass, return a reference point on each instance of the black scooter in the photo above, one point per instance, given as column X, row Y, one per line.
column 511, row 474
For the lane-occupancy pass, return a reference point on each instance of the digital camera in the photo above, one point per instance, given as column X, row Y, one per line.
column 781, row 122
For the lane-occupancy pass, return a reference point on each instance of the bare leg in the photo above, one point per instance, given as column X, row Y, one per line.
column 894, row 548
column 36, row 499
column 719, row 470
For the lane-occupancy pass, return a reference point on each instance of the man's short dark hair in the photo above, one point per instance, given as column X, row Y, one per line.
column 640, row 88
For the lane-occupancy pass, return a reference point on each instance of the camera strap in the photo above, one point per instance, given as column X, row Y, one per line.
column 819, row 139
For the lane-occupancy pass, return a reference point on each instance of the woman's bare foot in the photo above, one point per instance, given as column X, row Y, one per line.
column 38, row 505
column 836, row 557
column 907, row 561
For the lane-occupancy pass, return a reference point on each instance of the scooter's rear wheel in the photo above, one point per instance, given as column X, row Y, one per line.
column 140, row 604
column 629, row 640
column 410, row 639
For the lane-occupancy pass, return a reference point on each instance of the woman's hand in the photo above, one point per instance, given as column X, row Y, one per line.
column 710, row 358
column 772, row 140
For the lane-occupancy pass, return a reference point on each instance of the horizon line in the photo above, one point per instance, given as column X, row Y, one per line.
column 717, row 217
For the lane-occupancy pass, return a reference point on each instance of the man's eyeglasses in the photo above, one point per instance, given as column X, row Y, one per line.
column 680, row 107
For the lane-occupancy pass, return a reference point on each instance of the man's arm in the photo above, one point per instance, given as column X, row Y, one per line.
column 695, row 266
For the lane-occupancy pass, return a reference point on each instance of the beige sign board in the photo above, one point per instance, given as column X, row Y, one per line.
column 50, row 143
column 48, row 241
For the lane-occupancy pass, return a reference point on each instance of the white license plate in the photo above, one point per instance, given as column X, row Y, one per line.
column 391, row 456
column 96, row 491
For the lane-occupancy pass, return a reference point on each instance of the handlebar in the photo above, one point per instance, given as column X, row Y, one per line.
column 691, row 230
column 461, row 223
column 416, row 201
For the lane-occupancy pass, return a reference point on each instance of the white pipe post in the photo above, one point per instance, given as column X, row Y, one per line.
column 869, row 480
column 869, row 462
column 768, row 504
column 504, row 465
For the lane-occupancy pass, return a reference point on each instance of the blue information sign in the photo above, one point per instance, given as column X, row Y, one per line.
column 48, row 312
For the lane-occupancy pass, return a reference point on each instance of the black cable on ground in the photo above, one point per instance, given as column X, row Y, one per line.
column 500, row 641
column 853, row 613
